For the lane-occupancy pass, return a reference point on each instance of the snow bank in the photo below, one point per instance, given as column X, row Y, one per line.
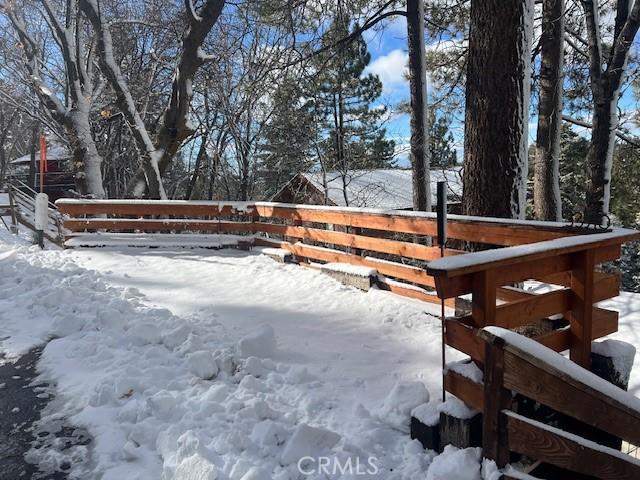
column 158, row 240
column 259, row 343
column 455, row 463
column 402, row 399
column 308, row 441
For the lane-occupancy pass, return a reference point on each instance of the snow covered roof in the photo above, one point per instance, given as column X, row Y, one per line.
column 55, row 152
column 381, row 188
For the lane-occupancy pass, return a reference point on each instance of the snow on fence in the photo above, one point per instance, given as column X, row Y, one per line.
column 398, row 245
column 521, row 365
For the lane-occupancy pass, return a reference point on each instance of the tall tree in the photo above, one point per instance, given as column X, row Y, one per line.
column 344, row 98
column 417, row 85
column 80, row 87
column 174, row 126
column 605, row 90
column 497, row 107
column 546, row 184
column 441, row 143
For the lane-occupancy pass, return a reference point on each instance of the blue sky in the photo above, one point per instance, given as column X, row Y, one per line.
column 388, row 50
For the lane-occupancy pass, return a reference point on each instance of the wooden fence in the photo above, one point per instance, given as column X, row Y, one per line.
column 395, row 243
column 516, row 364
column 401, row 245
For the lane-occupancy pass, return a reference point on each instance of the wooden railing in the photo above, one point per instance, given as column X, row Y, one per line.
column 397, row 244
column 520, row 365
column 23, row 204
column 401, row 245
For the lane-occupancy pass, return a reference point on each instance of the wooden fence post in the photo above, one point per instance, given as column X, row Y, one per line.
column 581, row 314
column 495, row 443
column 483, row 298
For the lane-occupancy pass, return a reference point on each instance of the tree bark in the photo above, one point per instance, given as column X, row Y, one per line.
column 497, row 108
column 174, row 127
column 147, row 150
column 417, row 85
column 605, row 88
column 546, row 181
column 73, row 115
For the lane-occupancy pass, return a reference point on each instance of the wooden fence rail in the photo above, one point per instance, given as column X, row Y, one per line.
column 521, row 365
column 563, row 259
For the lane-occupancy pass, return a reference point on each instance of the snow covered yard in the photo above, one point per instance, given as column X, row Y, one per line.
column 177, row 362
column 199, row 364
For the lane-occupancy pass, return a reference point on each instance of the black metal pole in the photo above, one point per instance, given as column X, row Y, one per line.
column 441, row 213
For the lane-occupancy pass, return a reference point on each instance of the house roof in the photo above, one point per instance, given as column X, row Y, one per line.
column 55, row 152
column 381, row 188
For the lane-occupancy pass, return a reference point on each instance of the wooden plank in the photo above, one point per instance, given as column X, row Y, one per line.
column 567, row 451
column 392, row 269
column 168, row 208
column 494, row 426
column 606, row 285
column 605, row 322
column 466, row 390
column 581, row 314
column 533, row 308
column 483, row 300
column 393, row 247
column 561, row 392
column 154, row 225
column 464, row 338
column 410, row 292
column 497, row 233
column 540, row 268
column 607, row 243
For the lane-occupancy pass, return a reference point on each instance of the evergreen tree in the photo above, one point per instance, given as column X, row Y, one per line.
column 354, row 138
column 441, row 144
column 286, row 149
column 573, row 172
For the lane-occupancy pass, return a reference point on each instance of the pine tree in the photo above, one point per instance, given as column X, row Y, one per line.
column 354, row 138
column 441, row 143
column 288, row 136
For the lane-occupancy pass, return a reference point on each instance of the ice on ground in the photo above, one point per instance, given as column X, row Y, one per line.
column 461, row 464
column 308, row 441
column 402, row 399
column 259, row 343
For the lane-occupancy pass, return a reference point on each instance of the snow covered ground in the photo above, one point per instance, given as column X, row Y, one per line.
column 197, row 364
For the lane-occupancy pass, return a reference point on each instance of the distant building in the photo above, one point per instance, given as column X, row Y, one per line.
column 389, row 189
column 58, row 179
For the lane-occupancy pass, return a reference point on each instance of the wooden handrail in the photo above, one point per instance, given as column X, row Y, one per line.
column 507, row 257
column 528, row 368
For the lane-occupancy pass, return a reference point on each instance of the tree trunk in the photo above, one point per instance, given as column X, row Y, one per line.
column 87, row 162
column 546, row 183
column 605, row 88
column 497, row 108
column 202, row 153
column 417, row 84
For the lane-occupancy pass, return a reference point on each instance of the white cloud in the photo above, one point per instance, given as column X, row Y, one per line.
column 392, row 70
